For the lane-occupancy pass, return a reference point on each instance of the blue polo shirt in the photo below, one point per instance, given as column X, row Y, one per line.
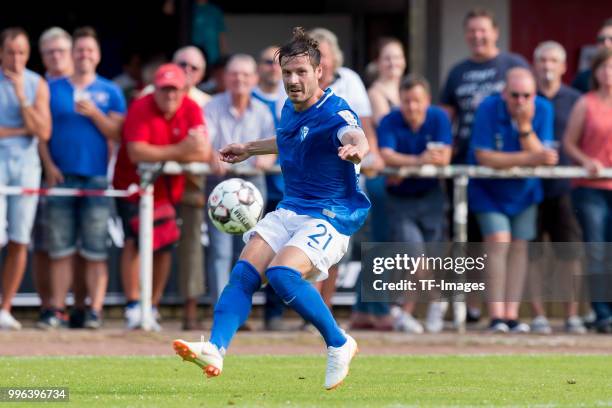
column 77, row 146
column 494, row 130
column 394, row 133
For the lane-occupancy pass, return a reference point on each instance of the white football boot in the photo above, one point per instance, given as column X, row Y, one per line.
column 338, row 361
column 204, row 354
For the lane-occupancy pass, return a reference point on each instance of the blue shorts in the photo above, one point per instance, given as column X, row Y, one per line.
column 79, row 220
column 18, row 167
column 520, row 226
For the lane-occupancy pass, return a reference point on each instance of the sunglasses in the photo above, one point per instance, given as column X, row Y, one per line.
column 186, row 65
column 603, row 38
column 52, row 51
column 516, row 95
column 267, row 62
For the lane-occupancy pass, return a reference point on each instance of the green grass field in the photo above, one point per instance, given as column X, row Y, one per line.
column 296, row 381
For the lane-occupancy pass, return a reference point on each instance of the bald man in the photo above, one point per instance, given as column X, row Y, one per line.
column 192, row 61
column 510, row 129
column 190, row 251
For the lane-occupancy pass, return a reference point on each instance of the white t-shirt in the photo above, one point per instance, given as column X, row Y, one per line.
column 349, row 87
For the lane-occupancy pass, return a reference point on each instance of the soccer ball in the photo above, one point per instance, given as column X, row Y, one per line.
column 235, row 206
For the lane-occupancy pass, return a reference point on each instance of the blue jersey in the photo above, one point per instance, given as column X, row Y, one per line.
column 494, row 130
column 394, row 133
column 317, row 182
column 77, row 146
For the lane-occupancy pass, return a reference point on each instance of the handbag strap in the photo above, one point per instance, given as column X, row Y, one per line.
column 167, row 185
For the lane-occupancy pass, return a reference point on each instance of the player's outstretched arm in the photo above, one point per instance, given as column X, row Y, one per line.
column 238, row 152
column 354, row 146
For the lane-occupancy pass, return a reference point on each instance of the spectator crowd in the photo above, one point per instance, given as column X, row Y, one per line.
column 73, row 128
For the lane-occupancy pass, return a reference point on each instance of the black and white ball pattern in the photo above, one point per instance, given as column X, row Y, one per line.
column 235, row 206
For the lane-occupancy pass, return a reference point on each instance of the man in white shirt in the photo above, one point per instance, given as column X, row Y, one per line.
column 235, row 116
column 347, row 84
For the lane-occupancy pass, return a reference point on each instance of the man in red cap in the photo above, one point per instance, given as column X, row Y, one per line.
column 162, row 126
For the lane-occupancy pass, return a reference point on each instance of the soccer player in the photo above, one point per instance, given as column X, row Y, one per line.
column 320, row 143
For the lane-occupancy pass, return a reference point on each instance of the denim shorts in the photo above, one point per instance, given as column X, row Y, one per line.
column 417, row 218
column 79, row 221
column 520, row 226
column 18, row 167
column 39, row 231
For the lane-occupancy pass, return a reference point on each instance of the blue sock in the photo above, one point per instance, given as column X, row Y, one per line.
column 306, row 301
column 234, row 305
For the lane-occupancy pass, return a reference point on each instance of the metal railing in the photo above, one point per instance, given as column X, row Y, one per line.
column 460, row 173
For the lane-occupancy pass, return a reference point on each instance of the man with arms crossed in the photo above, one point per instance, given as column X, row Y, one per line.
column 24, row 120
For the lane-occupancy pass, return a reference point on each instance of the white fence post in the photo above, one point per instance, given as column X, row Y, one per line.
column 145, row 251
column 460, row 221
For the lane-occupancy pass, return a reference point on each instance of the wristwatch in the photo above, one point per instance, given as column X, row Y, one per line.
column 526, row 133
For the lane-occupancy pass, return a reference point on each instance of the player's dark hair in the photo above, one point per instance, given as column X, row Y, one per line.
column 480, row 12
column 300, row 44
column 85, row 32
column 412, row 81
column 607, row 23
column 10, row 33
column 599, row 59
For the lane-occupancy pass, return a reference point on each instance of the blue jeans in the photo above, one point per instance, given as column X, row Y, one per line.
column 378, row 309
column 379, row 221
column 79, row 221
column 594, row 212
column 224, row 248
column 379, row 229
column 417, row 218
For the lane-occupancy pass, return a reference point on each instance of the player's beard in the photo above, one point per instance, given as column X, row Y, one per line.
column 305, row 93
column 300, row 96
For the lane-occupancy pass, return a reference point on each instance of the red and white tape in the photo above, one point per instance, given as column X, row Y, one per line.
column 132, row 190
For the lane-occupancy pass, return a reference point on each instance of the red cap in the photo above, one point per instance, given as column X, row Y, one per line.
column 169, row 75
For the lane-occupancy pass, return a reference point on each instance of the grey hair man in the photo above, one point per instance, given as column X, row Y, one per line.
column 190, row 251
column 55, row 45
column 347, row 84
column 235, row 116
column 556, row 216
column 193, row 63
